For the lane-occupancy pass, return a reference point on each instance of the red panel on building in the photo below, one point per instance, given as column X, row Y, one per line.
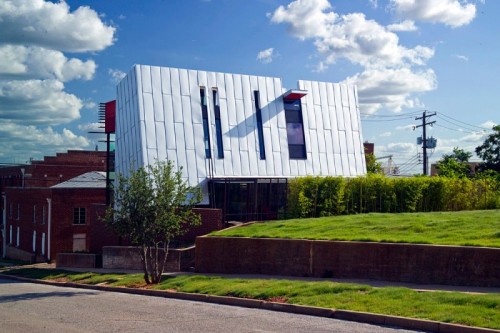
column 110, row 110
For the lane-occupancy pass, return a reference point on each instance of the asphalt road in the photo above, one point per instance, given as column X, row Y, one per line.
column 27, row 307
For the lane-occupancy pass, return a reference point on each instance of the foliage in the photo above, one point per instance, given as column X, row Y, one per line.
column 372, row 166
column 489, row 151
column 152, row 206
column 455, row 165
column 326, row 196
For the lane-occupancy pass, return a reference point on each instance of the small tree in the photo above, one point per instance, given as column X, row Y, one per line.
column 456, row 164
column 489, row 151
column 372, row 166
column 152, row 206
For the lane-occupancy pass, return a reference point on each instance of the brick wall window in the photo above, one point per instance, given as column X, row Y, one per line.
column 18, row 216
column 34, row 213
column 79, row 215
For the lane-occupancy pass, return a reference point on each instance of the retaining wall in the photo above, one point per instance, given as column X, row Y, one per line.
column 127, row 257
column 423, row 264
column 80, row 260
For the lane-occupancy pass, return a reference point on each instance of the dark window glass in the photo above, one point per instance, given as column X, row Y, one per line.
column 295, row 129
column 260, row 129
column 206, row 133
column 218, row 125
column 297, row 151
column 79, row 215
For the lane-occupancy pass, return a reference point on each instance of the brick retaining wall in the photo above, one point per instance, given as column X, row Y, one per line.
column 423, row 264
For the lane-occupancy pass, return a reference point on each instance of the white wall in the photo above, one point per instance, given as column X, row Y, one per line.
column 159, row 117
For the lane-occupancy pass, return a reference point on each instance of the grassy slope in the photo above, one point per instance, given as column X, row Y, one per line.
column 452, row 307
column 470, row 228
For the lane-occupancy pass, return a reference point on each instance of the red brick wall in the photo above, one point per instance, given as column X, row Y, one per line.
column 53, row 169
column 63, row 229
column 211, row 220
column 424, row 264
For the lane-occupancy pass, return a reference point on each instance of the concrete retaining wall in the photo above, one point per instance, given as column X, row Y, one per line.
column 127, row 257
column 423, row 264
column 80, row 260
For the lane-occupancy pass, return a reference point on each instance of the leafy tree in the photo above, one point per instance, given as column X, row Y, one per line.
column 489, row 151
column 372, row 166
column 152, row 206
column 455, row 165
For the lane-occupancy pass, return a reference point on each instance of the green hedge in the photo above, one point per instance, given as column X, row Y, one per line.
column 326, row 196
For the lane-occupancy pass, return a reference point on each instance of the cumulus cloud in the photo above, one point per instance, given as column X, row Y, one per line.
column 16, row 145
column 266, row 56
column 26, row 62
column 53, row 26
column 391, row 88
column 38, row 102
column 35, row 34
column 116, row 75
column 392, row 72
column 453, row 13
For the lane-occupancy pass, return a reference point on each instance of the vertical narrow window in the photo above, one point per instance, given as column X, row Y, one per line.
column 260, row 129
column 34, row 213
column 18, row 212
column 79, row 215
column 34, row 240
column 295, row 129
column 17, row 237
column 10, row 211
column 218, row 127
column 43, row 243
column 43, row 214
column 10, row 235
column 206, row 132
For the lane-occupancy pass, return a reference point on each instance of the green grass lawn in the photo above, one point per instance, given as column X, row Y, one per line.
column 482, row 310
column 469, row 228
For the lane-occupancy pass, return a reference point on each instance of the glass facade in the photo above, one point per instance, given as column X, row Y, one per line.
column 295, row 129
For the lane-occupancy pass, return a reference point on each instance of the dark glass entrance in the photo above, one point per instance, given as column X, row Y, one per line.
column 250, row 199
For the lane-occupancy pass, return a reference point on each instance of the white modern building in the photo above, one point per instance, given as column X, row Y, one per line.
column 238, row 136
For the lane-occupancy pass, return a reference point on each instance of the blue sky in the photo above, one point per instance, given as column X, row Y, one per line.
column 60, row 59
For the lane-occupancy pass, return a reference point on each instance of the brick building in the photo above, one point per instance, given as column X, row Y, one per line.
column 41, row 222
column 25, row 208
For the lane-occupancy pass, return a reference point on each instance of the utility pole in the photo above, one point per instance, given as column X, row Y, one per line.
column 424, row 118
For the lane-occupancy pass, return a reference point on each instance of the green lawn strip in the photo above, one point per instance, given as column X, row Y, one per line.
column 481, row 310
column 466, row 228
column 451, row 307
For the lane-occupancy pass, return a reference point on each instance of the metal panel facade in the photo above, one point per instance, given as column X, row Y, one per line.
column 159, row 116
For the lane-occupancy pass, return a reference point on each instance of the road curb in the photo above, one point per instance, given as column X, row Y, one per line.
column 356, row 316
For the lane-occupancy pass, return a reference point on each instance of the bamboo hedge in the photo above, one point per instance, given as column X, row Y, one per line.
column 326, row 196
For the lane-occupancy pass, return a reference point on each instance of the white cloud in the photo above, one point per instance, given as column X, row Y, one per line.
column 266, row 56
column 461, row 57
column 33, row 71
column 90, row 127
column 391, row 88
column 27, row 62
column 406, row 128
column 407, row 25
column 385, row 134
column 52, row 25
column 18, row 146
column 38, row 102
column 116, row 75
column 392, row 72
column 488, row 124
column 453, row 13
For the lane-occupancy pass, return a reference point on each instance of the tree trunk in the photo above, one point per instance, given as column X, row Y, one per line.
column 143, row 253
